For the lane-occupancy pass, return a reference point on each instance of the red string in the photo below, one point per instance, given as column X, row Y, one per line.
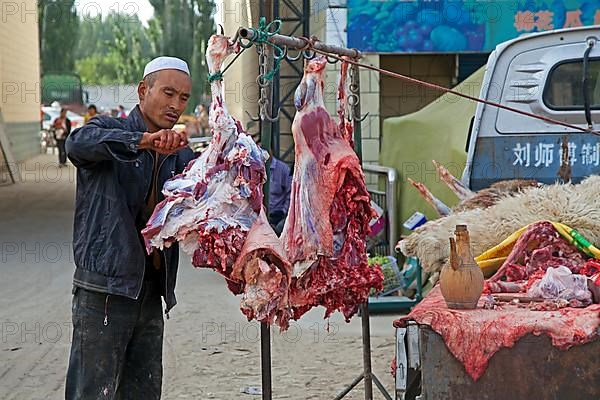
column 466, row 96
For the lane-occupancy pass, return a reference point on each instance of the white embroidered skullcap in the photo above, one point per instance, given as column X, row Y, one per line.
column 164, row 62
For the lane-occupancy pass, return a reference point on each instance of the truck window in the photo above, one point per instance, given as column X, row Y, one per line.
column 564, row 89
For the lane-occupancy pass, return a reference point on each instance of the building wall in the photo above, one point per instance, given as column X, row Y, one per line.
column 399, row 97
column 240, row 86
column 20, row 77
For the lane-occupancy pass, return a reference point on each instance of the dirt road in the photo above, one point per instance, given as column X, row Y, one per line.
column 210, row 351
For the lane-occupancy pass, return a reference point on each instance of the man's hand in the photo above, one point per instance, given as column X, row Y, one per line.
column 165, row 141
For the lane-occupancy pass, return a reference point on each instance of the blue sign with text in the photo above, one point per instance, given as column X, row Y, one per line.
column 452, row 26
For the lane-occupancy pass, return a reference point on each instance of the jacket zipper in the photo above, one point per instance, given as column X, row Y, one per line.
column 162, row 252
column 137, row 296
column 166, row 284
column 106, row 310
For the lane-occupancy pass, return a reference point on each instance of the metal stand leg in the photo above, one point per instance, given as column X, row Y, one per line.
column 265, row 360
column 367, row 374
column 349, row 388
column 366, row 339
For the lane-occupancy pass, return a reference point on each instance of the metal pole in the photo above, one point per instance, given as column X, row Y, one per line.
column 366, row 329
column 265, row 329
column 299, row 43
column 366, row 339
column 7, row 153
column 275, row 131
column 348, row 389
column 265, row 360
column 355, row 89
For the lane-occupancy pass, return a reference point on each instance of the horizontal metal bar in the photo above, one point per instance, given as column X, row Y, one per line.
column 299, row 43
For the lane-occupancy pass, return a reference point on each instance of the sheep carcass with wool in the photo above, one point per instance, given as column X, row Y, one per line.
column 575, row 205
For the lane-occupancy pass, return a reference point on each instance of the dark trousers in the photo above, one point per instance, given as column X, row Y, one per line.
column 62, row 152
column 116, row 352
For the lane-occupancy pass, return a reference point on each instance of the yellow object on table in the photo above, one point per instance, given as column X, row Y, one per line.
column 492, row 259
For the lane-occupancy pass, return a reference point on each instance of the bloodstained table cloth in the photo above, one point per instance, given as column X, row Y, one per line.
column 474, row 336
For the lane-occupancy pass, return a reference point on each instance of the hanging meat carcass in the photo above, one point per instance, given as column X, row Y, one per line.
column 266, row 275
column 328, row 220
column 212, row 205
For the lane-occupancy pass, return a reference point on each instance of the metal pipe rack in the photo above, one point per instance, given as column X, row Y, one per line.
column 307, row 45
column 301, row 43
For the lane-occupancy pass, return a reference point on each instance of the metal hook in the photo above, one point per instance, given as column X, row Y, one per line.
column 292, row 59
column 222, row 29
column 360, row 119
column 262, row 82
column 273, row 119
column 353, row 100
column 305, row 54
column 331, row 60
column 279, row 53
column 274, row 27
column 237, row 36
column 255, row 119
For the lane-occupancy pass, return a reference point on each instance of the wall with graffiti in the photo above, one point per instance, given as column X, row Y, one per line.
column 444, row 26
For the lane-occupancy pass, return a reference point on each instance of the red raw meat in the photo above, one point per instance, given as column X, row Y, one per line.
column 539, row 248
column 266, row 275
column 345, row 125
column 212, row 205
column 590, row 268
column 328, row 221
column 474, row 336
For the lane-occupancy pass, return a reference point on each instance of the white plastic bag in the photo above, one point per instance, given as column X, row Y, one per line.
column 561, row 283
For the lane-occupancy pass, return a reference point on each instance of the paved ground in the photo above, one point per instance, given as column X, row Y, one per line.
column 210, row 351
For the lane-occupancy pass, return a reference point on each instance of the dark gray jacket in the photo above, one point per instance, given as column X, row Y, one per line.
column 113, row 181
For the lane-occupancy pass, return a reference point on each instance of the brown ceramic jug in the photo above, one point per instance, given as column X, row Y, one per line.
column 461, row 280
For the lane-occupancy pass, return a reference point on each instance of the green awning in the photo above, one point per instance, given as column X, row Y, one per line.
column 436, row 132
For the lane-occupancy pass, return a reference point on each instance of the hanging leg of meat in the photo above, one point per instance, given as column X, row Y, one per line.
column 212, row 205
column 488, row 197
column 328, row 220
column 454, row 184
column 344, row 105
column 266, row 274
column 438, row 205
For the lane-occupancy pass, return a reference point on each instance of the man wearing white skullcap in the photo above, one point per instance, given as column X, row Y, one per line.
column 122, row 164
column 161, row 63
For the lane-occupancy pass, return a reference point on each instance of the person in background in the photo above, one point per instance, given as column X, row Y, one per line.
column 122, row 113
column 62, row 128
column 92, row 111
column 280, row 187
column 202, row 119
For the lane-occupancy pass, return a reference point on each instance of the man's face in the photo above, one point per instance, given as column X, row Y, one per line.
column 92, row 111
column 163, row 98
